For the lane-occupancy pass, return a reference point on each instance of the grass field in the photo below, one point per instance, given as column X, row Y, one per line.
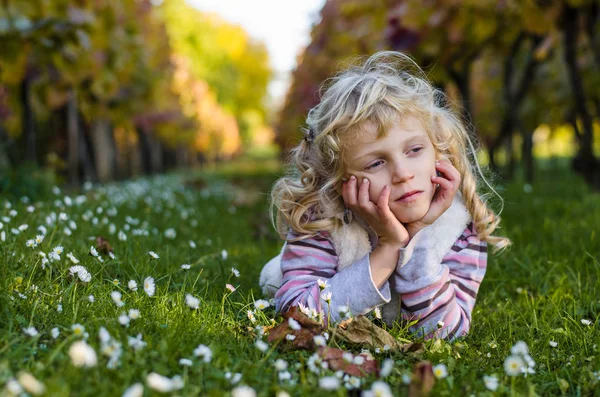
column 544, row 292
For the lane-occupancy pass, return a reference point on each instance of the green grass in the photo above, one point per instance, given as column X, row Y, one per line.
column 536, row 292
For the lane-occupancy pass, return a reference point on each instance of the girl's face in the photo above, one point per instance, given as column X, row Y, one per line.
column 404, row 159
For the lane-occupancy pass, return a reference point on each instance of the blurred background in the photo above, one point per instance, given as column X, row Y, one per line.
column 103, row 90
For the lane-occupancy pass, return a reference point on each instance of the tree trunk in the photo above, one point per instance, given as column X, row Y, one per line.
column 85, row 157
column 103, row 148
column 145, row 150
column 585, row 162
column 73, row 139
column 28, row 121
column 156, row 155
column 527, row 154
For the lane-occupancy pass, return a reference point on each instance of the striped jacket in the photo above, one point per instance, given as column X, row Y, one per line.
column 436, row 291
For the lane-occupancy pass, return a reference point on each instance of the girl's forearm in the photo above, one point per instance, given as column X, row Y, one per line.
column 383, row 261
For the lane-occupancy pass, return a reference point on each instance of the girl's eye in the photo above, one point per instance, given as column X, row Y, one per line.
column 416, row 150
column 374, row 164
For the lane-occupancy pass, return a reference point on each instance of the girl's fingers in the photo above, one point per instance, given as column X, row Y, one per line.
column 363, row 195
column 444, row 183
column 447, row 170
column 349, row 192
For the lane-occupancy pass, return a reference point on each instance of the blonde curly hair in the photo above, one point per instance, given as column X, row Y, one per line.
column 389, row 85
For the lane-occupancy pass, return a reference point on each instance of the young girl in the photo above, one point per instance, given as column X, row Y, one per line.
column 380, row 209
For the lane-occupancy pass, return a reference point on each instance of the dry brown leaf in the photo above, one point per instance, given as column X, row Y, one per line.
column 422, row 380
column 361, row 331
column 303, row 337
column 335, row 360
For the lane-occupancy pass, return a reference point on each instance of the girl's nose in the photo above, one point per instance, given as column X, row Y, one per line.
column 401, row 173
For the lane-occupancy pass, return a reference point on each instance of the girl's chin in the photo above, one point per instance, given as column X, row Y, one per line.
column 412, row 215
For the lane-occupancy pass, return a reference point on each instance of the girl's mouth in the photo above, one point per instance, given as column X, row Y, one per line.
column 410, row 196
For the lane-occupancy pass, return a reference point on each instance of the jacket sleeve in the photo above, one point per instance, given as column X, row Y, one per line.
column 439, row 293
column 305, row 262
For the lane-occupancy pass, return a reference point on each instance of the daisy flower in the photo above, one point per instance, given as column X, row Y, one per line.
column 78, row 329
column 134, row 314
column 30, row 243
column 186, row 362
column 153, row 254
column 185, row 266
column 132, row 284
column 192, row 301
column 322, row 284
column 39, row 238
column 149, row 286
column 116, row 297
column 82, row 355
column 55, row 333
column 31, row 384
column 136, row 343
column 491, row 382
column 280, row 365
column 261, row 345
column 204, row 353
column 295, row 325
column 329, row 383
column 235, row 272
column 553, row 344
column 80, row 272
column 58, row 250
column 243, row 391
column 513, row 365
column 224, row 254
column 440, row 371
column 378, row 389
column 135, row 390
column 230, row 287
column 160, row 383
column 93, row 252
column 72, row 258
column 261, row 304
column 586, row 321
column 386, row 367
column 31, row 331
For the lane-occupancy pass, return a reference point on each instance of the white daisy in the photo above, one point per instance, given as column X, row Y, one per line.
column 386, row 367
column 295, row 325
column 192, row 301
column 491, row 382
column 82, row 354
column 31, row 384
column 134, row 314
column 149, row 286
column 235, row 272
column 31, row 331
column 135, row 390
column 322, row 284
column 78, row 329
column 136, row 343
column 186, row 362
column 320, row 341
column 159, row 383
column 224, row 254
column 440, row 371
column 124, row 320
column 329, row 383
column 553, row 343
column 116, row 297
column 80, row 272
column 132, row 284
column 72, row 258
column 513, row 365
column 261, row 304
column 39, row 238
column 203, row 352
column 586, row 321
column 58, row 250
column 378, row 389
column 280, row 365
column 153, row 254
column 185, row 266
column 30, row 243
column 55, row 333
column 261, row 345
column 243, row 391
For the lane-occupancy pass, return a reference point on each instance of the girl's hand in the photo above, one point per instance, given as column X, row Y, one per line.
column 378, row 215
column 449, row 181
